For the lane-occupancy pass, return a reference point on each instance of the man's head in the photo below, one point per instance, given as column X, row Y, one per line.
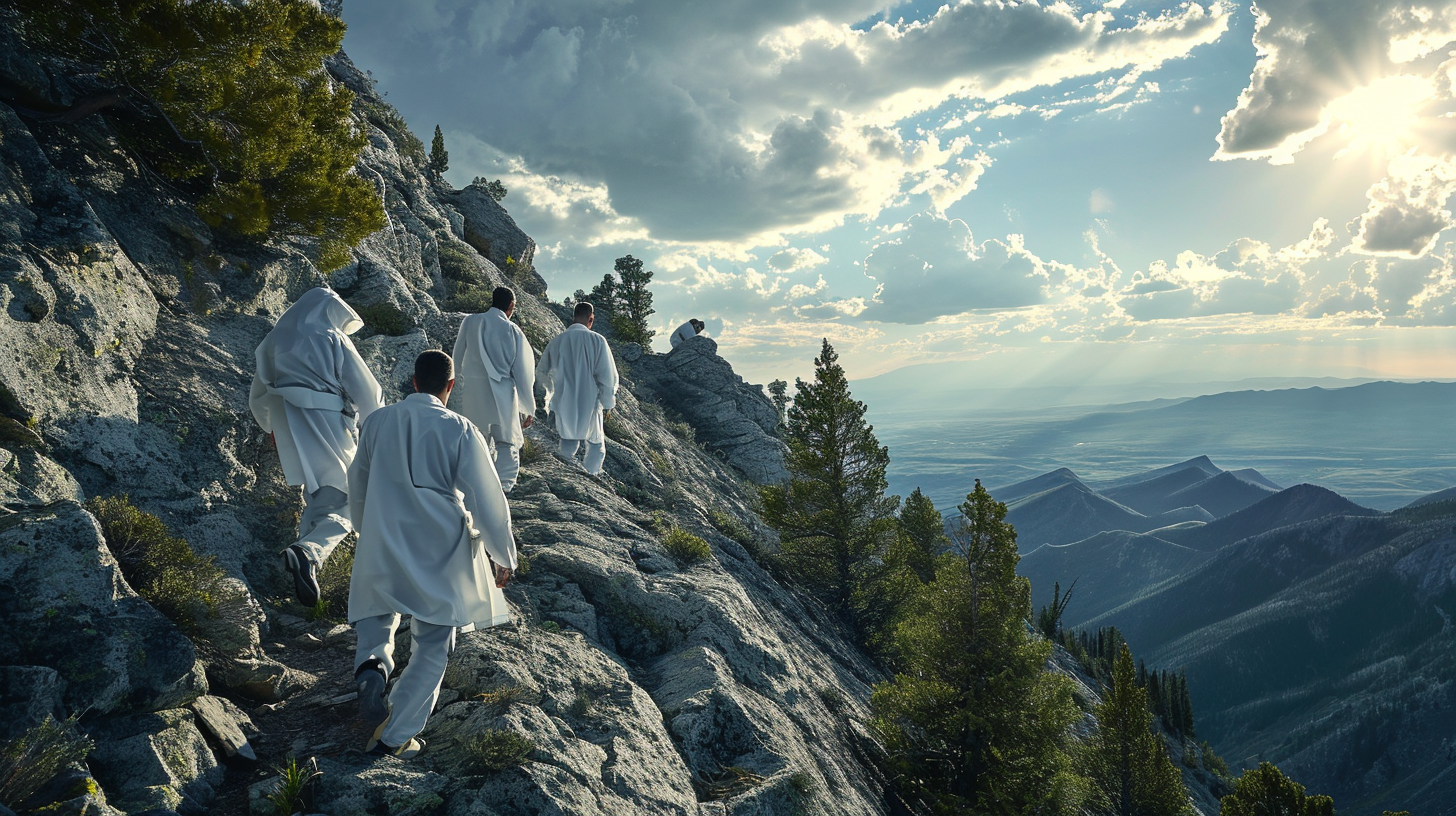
column 434, row 374
column 584, row 314
column 504, row 299
column 698, row 325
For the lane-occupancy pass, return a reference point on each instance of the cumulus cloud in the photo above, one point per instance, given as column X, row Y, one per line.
column 742, row 119
column 1376, row 74
column 934, row 267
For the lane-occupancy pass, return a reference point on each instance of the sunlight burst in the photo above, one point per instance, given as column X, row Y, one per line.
column 1381, row 117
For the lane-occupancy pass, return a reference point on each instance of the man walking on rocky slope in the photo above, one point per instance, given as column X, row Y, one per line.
column 687, row 331
column 434, row 543
column 495, row 381
column 581, row 383
column 310, row 390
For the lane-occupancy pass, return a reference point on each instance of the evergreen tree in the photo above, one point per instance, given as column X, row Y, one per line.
column 439, row 156
column 1266, row 791
column 1186, row 706
column 972, row 722
column 921, row 538
column 778, row 392
column 1126, row 759
column 633, row 302
column 228, row 100
column 1049, row 618
column 604, row 295
column 492, row 187
column 833, row 517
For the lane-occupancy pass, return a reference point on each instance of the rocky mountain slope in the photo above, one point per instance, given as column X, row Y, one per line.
column 647, row 684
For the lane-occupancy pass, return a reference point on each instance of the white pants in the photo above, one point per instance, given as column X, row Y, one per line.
column 507, row 456
column 324, row 524
column 596, row 453
column 418, row 687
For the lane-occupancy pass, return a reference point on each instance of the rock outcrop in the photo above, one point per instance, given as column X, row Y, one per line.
column 734, row 419
column 643, row 685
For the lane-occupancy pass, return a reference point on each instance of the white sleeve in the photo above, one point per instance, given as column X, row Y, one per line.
column 475, row 477
column 358, row 381
column 606, row 377
column 524, row 375
column 359, row 479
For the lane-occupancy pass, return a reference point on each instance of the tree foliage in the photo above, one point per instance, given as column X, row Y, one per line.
column 439, row 156
column 778, row 393
column 972, row 722
column 832, row 514
column 1266, row 791
column 632, row 302
column 1126, row 759
column 228, row 99
column 492, row 187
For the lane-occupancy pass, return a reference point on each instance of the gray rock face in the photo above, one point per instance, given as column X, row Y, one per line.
column 730, row 416
column 490, row 229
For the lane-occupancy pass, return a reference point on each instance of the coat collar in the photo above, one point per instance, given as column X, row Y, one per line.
column 424, row 398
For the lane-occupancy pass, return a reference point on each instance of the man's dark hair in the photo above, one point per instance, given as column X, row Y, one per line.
column 698, row 325
column 433, row 371
column 502, row 298
column 583, row 310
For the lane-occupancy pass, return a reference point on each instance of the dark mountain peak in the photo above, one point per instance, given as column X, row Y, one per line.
column 1431, row 498
column 1255, row 477
column 1300, row 503
column 1061, row 477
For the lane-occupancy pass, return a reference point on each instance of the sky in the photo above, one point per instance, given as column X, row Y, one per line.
column 1014, row 192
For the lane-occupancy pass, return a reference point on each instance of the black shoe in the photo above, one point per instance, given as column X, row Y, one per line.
column 409, row 750
column 373, row 708
column 305, row 575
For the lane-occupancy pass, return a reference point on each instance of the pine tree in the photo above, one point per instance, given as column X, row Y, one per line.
column 1266, row 791
column 634, row 303
column 778, row 392
column 228, row 100
column 439, row 156
column 1186, row 705
column 833, row 517
column 604, row 295
column 1126, row 759
column 921, row 537
column 972, row 722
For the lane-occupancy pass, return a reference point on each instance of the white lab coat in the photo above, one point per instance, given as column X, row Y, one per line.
column 429, row 510
column 495, row 374
column 581, row 380
column 308, row 385
column 684, row 332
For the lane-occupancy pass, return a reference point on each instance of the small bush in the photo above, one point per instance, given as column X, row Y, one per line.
column 161, row 567
column 531, row 453
column 615, row 428
column 37, row 756
column 457, row 262
column 287, row 798
column 498, row 749
column 582, row 706
column 501, row 697
column 551, row 626
column 681, row 430
column 735, row 529
column 831, row 697
column 660, row 464
column 385, row 318
column 333, row 578
column 686, row 548
column 730, row 781
column 469, row 298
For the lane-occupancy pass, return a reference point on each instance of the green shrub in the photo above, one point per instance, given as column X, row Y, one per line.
column 162, row 568
column 686, row 548
column 457, row 262
column 736, row 530
column 35, row 757
column 333, row 578
column 230, row 100
column 383, row 116
column 497, row 749
column 385, row 318
column 681, row 430
column 615, row 428
column 469, row 298
column 500, row 698
column 531, row 453
column 288, row 798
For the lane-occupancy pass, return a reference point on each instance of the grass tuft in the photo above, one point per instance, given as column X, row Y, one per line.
column 497, row 749
column 729, row 781
column 735, row 529
column 37, row 756
column 684, row 547
column 287, row 798
column 500, row 698
column 531, row 453
column 333, row 578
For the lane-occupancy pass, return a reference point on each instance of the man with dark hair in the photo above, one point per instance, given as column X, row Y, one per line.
column 434, row 543
column 687, row 331
column 309, row 389
column 496, row 381
column 581, row 383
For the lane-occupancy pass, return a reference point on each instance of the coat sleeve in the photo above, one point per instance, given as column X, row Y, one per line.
column 257, row 404
column 543, row 370
column 476, row 479
column 524, row 374
column 358, row 381
column 606, row 376
column 461, row 345
column 359, row 478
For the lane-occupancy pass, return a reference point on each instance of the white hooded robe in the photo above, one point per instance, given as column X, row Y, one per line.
column 309, row 383
column 684, row 332
column 495, row 374
column 431, row 518
column 581, row 380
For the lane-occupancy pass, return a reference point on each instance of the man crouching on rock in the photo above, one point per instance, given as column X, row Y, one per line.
column 433, row 526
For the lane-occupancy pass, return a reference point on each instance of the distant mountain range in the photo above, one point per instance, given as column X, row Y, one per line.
column 1316, row 633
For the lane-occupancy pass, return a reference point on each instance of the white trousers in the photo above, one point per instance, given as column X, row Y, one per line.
column 324, row 524
column 596, row 454
column 507, row 456
column 418, row 687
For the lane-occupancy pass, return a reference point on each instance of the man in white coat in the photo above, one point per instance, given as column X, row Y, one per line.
column 688, row 330
column 434, row 543
column 310, row 390
column 581, row 382
column 495, row 381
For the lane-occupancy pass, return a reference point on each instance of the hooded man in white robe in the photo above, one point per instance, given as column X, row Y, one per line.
column 310, row 391
column 687, row 331
column 434, row 543
column 581, row 383
column 495, row 381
